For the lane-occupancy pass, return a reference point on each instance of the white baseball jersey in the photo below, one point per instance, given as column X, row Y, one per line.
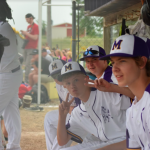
column 138, row 123
column 103, row 115
column 109, row 76
column 10, row 59
column 10, row 80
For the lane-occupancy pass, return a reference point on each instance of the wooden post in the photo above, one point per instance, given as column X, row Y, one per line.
column 107, row 39
column 49, row 26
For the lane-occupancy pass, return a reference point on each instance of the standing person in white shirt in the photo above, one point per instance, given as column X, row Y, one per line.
column 102, row 114
column 130, row 57
column 10, row 80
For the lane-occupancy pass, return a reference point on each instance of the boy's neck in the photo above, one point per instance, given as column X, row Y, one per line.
column 100, row 74
column 139, row 87
column 85, row 96
column 32, row 22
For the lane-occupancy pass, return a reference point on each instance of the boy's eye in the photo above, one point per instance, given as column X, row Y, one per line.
column 76, row 80
column 96, row 58
column 122, row 61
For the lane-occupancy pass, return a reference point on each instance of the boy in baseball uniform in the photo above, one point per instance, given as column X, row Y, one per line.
column 102, row 114
column 51, row 118
column 102, row 71
column 131, row 65
column 10, row 80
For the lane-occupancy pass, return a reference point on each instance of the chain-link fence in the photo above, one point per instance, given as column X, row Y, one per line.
column 89, row 32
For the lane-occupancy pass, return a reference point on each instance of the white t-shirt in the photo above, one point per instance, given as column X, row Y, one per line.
column 10, row 58
column 103, row 115
column 49, row 58
column 138, row 123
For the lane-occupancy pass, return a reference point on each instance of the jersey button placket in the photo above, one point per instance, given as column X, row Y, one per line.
column 138, row 122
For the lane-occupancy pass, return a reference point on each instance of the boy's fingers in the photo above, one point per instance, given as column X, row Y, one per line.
column 61, row 107
column 70, row 102
column 67, row 97
column 88, row 80
column 100, row 82
column 89, row 85
column 64, row 104
column 96, row 82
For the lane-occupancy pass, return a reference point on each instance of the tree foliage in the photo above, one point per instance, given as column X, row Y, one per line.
column 93, row 25
column 44, row 26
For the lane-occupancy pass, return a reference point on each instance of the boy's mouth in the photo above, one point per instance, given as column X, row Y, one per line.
column 119, row 77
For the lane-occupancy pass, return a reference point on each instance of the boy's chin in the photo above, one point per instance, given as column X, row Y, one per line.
column 122, row 84
column 74, row 94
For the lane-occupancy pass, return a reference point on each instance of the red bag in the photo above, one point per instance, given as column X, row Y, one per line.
column 23, row 89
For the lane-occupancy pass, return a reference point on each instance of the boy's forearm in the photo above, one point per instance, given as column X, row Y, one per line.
column 121, row 90
column 62, row 136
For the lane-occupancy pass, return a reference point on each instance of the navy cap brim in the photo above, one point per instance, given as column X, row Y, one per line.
column 83, row 58
column 107, row 57
column 61, row 76
column 55, row 72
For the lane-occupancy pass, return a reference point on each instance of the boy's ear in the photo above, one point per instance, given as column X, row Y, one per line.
column 64, row 86
column 143, row 62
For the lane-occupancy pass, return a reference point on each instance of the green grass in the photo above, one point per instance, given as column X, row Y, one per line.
column 83, row 44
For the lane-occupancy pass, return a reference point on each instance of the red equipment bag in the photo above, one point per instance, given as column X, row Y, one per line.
column 23, row 89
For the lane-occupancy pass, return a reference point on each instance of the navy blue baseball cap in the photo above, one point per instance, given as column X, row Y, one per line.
column 147, row 41
column 93, row 51
column 128, row 46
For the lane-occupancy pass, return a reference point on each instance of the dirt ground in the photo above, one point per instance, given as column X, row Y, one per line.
column 33, row 136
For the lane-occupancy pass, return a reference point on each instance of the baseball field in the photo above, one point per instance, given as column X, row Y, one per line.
column 33, row 136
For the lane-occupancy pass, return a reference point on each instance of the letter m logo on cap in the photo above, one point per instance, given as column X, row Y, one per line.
column 54, row 66
column 117, row 45
column 69, row 67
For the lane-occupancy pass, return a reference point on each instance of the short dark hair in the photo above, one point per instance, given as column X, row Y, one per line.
column 44, row 50
column 29, row 15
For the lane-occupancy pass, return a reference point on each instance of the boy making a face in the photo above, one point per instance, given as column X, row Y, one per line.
column 102, row 114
